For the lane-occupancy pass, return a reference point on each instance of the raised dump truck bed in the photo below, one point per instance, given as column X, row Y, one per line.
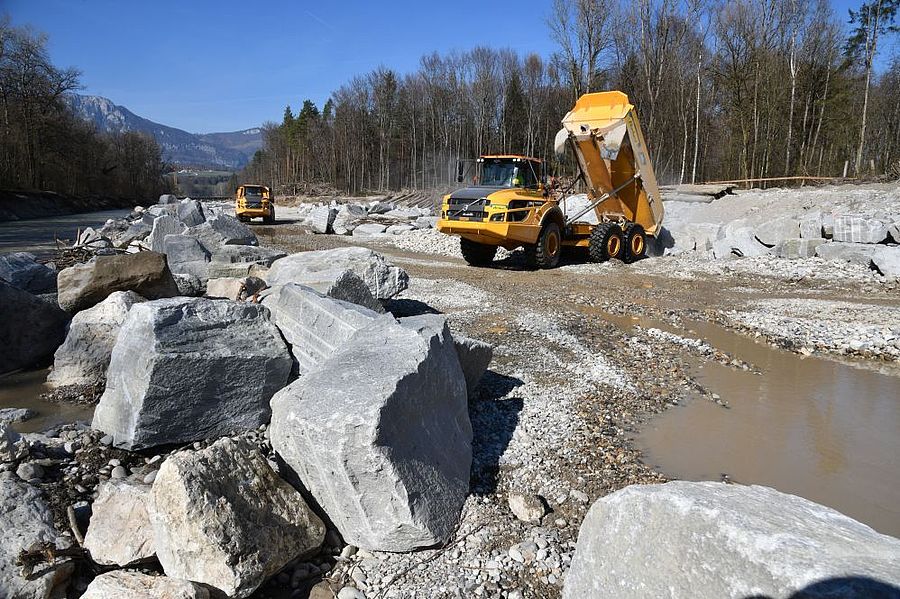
column 511, row 204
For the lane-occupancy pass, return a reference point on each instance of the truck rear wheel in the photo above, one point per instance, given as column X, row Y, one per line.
column 605, row 242
column 477, row 254
column 546, row 252
column 635, row 242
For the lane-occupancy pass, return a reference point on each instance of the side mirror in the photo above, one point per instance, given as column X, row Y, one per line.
column 459, row 171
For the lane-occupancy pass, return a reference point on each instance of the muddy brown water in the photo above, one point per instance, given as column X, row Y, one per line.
column 810, row 426
column 23, row 390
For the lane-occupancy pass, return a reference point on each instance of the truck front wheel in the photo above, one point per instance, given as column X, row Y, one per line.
column 546, row 252
column 477, row 254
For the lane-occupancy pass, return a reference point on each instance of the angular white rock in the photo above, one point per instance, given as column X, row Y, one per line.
column 185, row 369
column 859, row 229
column 120, row 533
column 347, row 217
column 383, row 279
column 320, row 219
column 798, row 248
column 222, row 517
column 777, row 229
column 27, row 525
column 369, row 230
column 855, row 253
column 712, row 540
column 162, row 226
column 380, row 436
column 315, row 326
column 124, row 584
column 84, row 356
column 186, row 255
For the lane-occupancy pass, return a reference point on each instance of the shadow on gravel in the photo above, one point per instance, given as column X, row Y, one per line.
column 844, row 587
column 408, row 307
column 494, row 418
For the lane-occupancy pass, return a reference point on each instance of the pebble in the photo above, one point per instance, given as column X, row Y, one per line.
column 29, row 471
column 579, row 496
column 119, row 472
column 106, row 440
column 348, row 551
column 114, row 462
column 150, row 477
column 350, row 593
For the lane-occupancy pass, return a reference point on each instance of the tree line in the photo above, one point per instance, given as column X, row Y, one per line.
column 45, row 146
column 739, row 89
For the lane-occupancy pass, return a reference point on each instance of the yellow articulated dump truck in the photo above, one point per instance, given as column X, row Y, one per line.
column 511, row 204
column 254, row 201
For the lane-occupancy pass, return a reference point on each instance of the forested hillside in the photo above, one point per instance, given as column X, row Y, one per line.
column 44, row 146
column 725, row 90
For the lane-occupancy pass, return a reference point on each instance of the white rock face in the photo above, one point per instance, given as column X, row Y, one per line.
column 859, row 229
column 222, row 517
column 811, row 225
column 137, row 585
column 369, row 230
column 84, row 356
column 711, row 540
column 28, row 526
column 887, row 260
column 345, row 429
column 347, row 217
column 162, row 226
column 186, row 255
column 320, row 219
column 221, row 229
column 12, row 446
column 798, row 248
column 315, row 326
column 383, row 279
column 120, row 533
column 339, row 283
column 185, row 369
column 739, row 242
column 778, row 229
column 855, row 253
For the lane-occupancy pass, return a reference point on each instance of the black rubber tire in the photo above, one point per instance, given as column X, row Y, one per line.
column 269, row 219
column 548, row 249
column 635, row 243
column 477, row 254
column 244, row 219
column 601, row 246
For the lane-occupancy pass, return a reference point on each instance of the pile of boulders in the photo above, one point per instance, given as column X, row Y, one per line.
column 371, row 219
column 871, row 240
column 365, row 413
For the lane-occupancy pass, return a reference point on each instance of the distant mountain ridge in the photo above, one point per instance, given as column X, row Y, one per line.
column 230, row 150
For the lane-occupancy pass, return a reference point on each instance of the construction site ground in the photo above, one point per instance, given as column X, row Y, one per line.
column 590, row 358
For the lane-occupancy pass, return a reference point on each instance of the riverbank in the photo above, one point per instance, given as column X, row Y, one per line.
column 24, row 205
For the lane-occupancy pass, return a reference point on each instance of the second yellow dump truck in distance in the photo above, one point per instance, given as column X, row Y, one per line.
column 511, row 205
column 254, row 201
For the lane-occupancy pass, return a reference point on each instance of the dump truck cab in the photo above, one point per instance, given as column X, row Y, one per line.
column 511, row 205
column 505, row 206
column 254, row 201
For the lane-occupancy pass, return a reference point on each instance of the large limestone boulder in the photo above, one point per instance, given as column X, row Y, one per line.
column 30, row 328
column 380, row 436
column 711, row 540
column 347, row 218
column 739, row 242
column 887, row 260
column 798, row 248
column 474, row 355
column 338, row 283
column 812, row 225
column 184, row 369
column 383, row 279
column 222, row 229
column 120, row 533
column 859, row 229
column 137, row 585
column 315, row 326
column 771, row 232
column 85, row 285
column 855, row 253
column 369, row 230
column 163, row 226
column 699, row 236
column 321, row 219
column 185, row 255
column 84, row 356
column 27, row 526
column 22, row 270
column 190, row 212
column 240, row 260
column 166, row 198
column 12, row 446
column 222, row 517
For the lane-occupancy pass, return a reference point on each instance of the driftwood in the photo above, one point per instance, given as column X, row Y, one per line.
column 47, row 555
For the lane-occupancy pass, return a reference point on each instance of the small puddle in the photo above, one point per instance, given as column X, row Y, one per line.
column 813, row 427
column 23, row 390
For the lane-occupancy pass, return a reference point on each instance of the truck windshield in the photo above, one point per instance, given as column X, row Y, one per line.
column 253, row 192
column 496, row 173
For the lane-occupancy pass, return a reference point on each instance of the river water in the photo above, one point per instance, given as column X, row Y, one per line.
column 810, row 426
column 39, row 235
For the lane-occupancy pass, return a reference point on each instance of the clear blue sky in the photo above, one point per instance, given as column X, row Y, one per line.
column 210, row 66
